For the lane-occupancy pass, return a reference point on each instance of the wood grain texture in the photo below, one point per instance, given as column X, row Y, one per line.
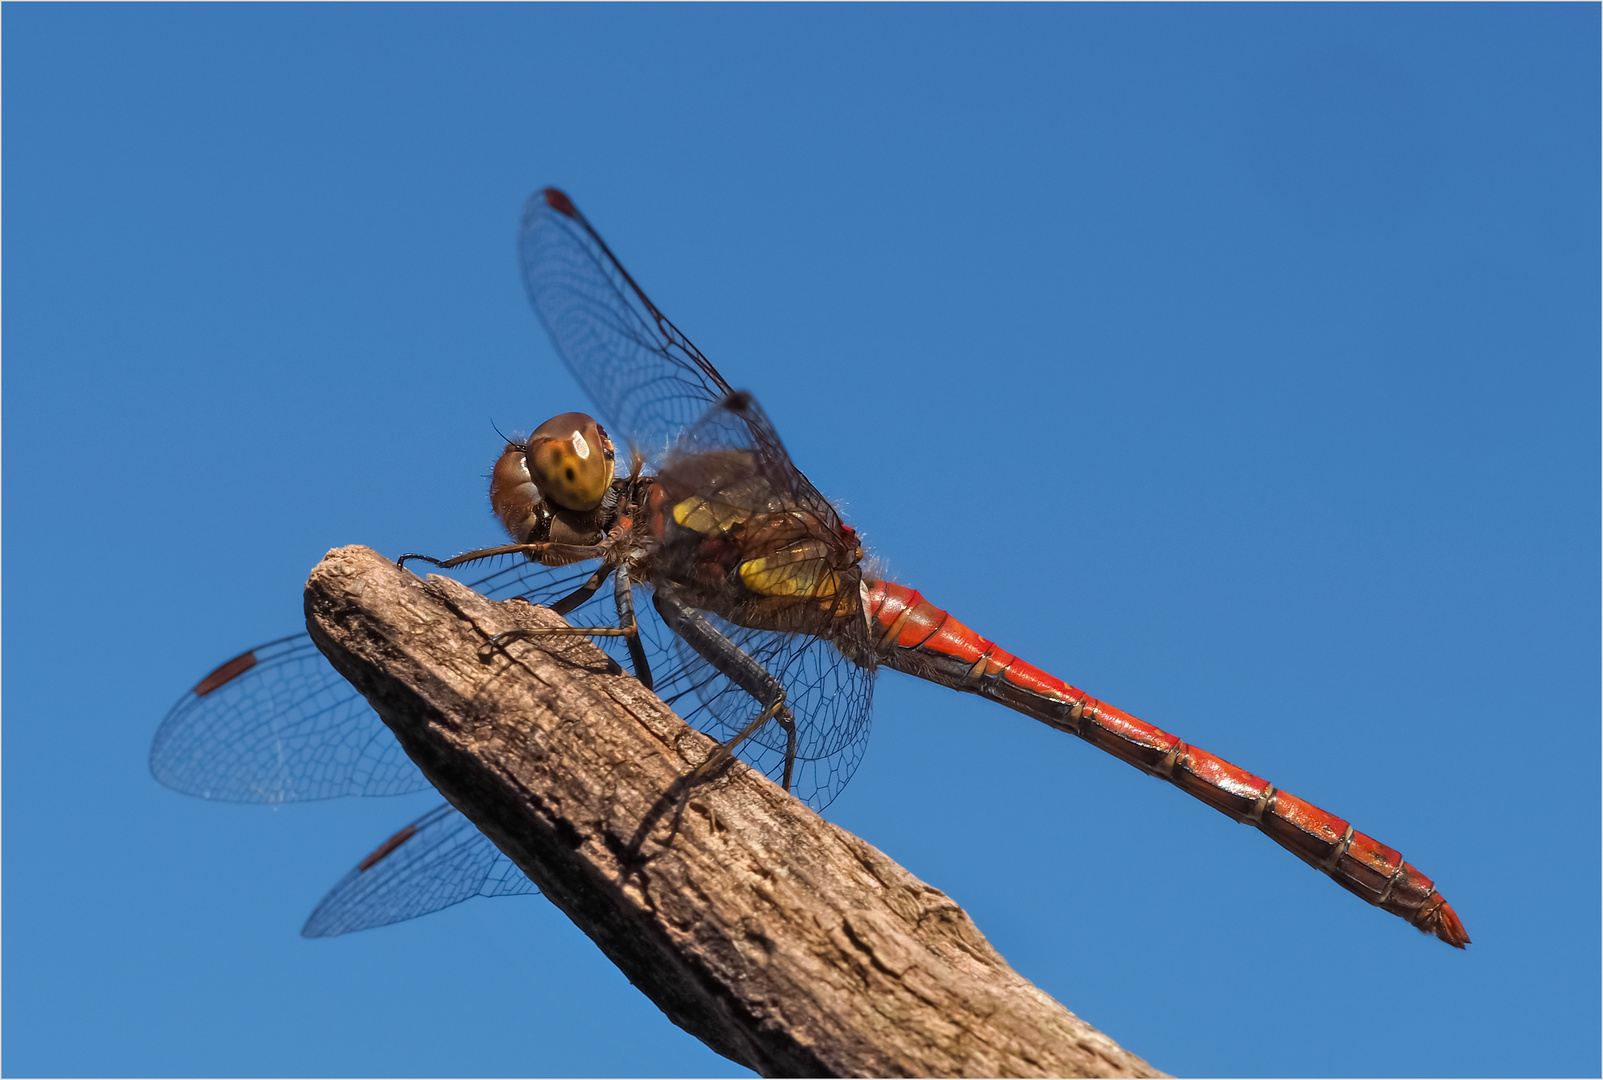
column 778, row 939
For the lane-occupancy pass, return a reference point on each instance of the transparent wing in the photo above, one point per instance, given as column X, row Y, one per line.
column 660, row 394
column 439, row 860
column 278, row 724
column 646, row 378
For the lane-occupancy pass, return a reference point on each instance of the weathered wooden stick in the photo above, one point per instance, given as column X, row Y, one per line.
column 782, row 942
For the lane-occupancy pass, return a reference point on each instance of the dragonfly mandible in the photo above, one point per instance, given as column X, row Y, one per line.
column 737, row 593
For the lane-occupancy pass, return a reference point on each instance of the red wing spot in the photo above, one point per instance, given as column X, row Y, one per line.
column 385, row 848
column 558, row 200
column 231, row 670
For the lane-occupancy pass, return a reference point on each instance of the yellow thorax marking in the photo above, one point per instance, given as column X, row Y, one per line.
column 797, row 572
column 705, row 516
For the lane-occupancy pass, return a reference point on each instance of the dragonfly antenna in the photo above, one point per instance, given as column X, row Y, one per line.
column 508, row 441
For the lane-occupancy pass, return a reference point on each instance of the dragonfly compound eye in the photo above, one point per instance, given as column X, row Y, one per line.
column 570, row 459
column 513, row 495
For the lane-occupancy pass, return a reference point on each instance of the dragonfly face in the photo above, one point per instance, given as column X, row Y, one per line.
column 551, row 486
column 570, row 459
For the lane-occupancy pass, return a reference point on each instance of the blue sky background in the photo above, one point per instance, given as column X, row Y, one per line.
column 1239, row 365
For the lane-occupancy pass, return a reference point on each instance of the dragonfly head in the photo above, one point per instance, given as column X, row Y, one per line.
column 567, row 464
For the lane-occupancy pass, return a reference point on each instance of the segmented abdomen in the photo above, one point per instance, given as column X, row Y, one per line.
column 919, row 638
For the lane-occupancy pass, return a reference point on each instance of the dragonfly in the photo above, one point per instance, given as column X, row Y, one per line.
column 738, row 594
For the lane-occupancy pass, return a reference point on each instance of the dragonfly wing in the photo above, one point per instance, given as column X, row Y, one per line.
column 278, row 724
column 663, row 396
column 646, row 378
column 650, row 383
column 438, row 860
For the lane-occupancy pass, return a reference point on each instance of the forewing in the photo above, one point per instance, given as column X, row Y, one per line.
column 278, row 724
column 646, row 378
column 439, row 860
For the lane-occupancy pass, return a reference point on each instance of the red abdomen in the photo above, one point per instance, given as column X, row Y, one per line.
column 915, row 636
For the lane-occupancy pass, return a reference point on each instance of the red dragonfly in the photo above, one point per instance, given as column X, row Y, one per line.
column 738, row 594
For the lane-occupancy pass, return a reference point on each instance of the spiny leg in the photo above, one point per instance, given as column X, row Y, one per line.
column 729, row 660
column 787, row 720
column 622, row 596
column 726, row 751
column 551, row 554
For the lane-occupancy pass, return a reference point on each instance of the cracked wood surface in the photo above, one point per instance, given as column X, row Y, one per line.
column 779, row 940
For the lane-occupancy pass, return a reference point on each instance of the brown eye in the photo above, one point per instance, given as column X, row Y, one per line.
column 570, row 459
column 513, row 496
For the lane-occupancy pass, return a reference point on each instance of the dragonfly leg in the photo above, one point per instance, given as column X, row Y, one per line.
column 788, row 722
column 726, row 751
column 729, row 660
column 623, row 597
column 582, row 593
column 551, row 554
column 628, row 628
